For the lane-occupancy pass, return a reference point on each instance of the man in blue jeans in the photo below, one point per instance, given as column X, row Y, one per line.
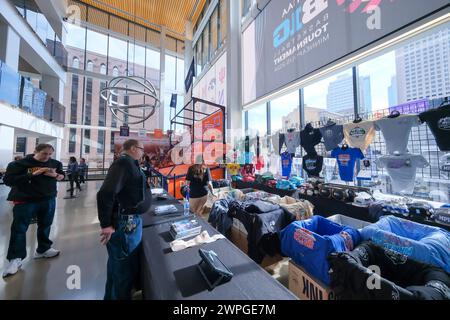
column 123, row 197
column 33, row 192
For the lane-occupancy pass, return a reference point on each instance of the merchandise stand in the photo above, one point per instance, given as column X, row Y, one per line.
column 194, row 114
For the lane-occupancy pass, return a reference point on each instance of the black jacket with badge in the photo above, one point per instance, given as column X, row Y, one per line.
column 125, row 190
column 26, row 187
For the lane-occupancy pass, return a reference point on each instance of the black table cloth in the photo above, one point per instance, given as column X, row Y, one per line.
column 150, row 219
column 174, row 275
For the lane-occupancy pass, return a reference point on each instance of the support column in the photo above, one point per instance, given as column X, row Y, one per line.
column 162, row 76
column 9, row 47
column 6, row 146
column 234, row 91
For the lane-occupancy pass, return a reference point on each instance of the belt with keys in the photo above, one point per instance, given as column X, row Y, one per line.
column 131, row 225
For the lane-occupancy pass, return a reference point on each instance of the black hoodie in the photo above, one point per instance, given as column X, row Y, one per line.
column 26, row 187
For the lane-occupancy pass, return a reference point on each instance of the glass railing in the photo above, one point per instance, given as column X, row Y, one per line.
column 20, row 92
column 40, row 25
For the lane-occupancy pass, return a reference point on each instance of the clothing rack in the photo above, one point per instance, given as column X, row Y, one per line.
column 421, row 141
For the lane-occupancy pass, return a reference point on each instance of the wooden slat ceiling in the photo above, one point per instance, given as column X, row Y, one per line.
column 172, row 14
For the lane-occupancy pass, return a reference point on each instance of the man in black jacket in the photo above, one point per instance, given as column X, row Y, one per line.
column 123, row 197
column 33, row 192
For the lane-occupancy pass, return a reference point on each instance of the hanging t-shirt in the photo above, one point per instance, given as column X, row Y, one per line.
column 332, row 136
column 246, row 158
column 292, row 141
column 396, row 131
column 438, row 121
column 346, row 159
column 259, row 163
column 402, row 170
column 309, row 138
column 277, row 142
column 359, row 135
column 274, row 163
column 312, row 164
column 233, row 168
column 286, row 164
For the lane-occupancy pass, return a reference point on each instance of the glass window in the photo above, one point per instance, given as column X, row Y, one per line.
column 88, row 102
column 90, row 66
column 118, row 53
column 180, row 75
column 115, row 72
column 87, row 141
column 100, row 142
column 75, row 42
column 111, row 145
column 199, row 55
column 257, row 120
column 205, row 58
column 214, row 31
column 223, row 21
column 153, row 66
column 76, row 63
column 74, row 99
column 331, row 98
column 102, row 68
column 72, row 140
column 96, row 47
column 136, row 62
column 21, row 145
column 284, row 113
column 102, row 107
column 171, row 65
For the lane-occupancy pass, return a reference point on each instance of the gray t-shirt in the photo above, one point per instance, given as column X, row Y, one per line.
column 396, row 131
column 332, row 135
column 292, row 141
column 402, row 170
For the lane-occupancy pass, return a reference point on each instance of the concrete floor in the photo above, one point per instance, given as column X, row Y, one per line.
column 76, row 232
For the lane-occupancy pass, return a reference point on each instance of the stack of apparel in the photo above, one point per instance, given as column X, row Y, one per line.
column 185, row 229
column 222, row 183
column 401, row 278
column 302, row 209
column 226, row 193
column 218, row 215
column 310, row 242
column 263, row 222
column 297, row 181
column 420, row 242
column 285, row 185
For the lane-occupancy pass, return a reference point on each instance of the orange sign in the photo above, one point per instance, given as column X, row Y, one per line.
column 158, row 134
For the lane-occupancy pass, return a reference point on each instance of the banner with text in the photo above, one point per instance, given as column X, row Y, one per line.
column 292, row 38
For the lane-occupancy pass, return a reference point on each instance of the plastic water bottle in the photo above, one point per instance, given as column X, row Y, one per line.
column 186, row 205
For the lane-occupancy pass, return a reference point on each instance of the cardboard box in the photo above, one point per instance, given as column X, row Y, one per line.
column 305, row 287
column 239, row 239
column 348, row 221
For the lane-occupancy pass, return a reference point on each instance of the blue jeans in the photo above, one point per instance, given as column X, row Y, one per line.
column 44, row 210
column 123, row 259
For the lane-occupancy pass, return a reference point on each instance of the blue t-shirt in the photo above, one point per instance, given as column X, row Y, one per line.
column 346, row 160
column 286, row 164
column 245, row 158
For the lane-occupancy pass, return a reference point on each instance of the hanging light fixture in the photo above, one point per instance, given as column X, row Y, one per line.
column 131, row 86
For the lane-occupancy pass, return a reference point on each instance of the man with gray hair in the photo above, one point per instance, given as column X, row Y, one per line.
column 123, row 197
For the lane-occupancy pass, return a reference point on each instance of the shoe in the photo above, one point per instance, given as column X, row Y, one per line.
column 12, row 268
column 50, row 253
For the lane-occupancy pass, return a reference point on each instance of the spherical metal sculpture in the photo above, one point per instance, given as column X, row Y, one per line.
column 131, row 86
